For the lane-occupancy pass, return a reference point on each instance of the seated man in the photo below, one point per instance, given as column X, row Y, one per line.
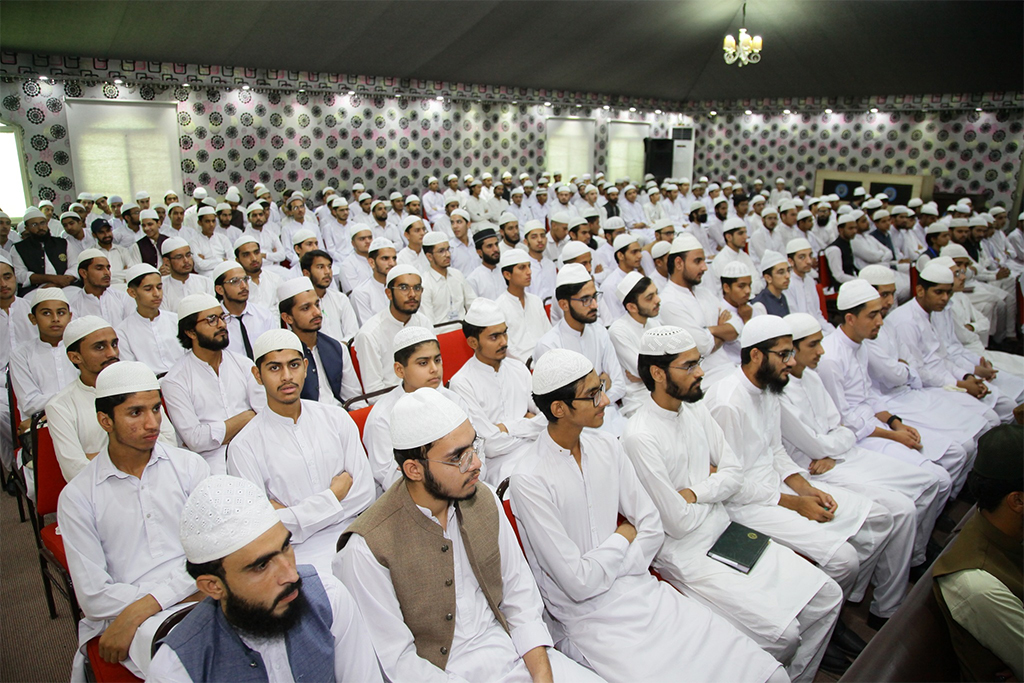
column 340, row 321
column 497, row 387
column 38, row 257
column 786, row 605
column 181, row 280
column 374, row 343
column 355, row 268
column 211, row 392
column 542, row 269
column 148, row 334
column 736, row 284
column 446, row 294
column 261, row 610
column 627, row 254
column 369, row 296
column 639, row 296
column 978, row 579
column 119, row 520
column 802, row 293
column 245, row 321
column 775, row 275
column 40, row 368
column 592, row 571
column 484, row 620
column 305, row 455
column 418, row 364
column 91, row 345
column 486, row 279
column 95, row 296
column 524, row 312
column 263, row 283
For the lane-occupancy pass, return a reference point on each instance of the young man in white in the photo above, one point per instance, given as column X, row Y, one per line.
column 263, row 283
column 639, row 296
column 40, row 368
column 446, row 294
column 95, row 296
column 369, row 297
column 149, row 334
column 246, row 321
column 802, row 293
column 181, row 279
column 524, row 312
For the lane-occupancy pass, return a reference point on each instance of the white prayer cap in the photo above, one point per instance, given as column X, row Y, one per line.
column 802, row 325
column 224, row 267
column 772, row 258
column 544, row 191
column 660, row 248
column 879, row 215
column 87, row 196
column 233, row 196
column 301, row 235
column 199, row 193
column 929, row 210
column 859, row 191
column 613, row 223
column 72, row 214
column 872, row 204
column 172, row 244
column 572, row 274
column 703, row 179
column 558, row 368
column 666, row 340
column 531, row 226
column 243, row 240
column 47, row 202
column 297, row 285
column 721, row 200
column 485, row 176
column 684, row 181
column 513, row 257
column 32, row 213
column 222, row 206
column 506, row 217
column 769, row 211
column 959, row 222
column 432, row 179
column 379, row 243
column 627, row 188
column 138, row 195
column 654, row 190
column 276, row 339
column 423, row 417
column 358, row 187
column 222, row 515
column 400, row 270
column 574, row 250
column 797, row 244
column 296, row 195
column 611, row 188
column 338, row 201
column 79, row 328
column 451, row 198
column 137, row 271
column 88, row 254
column 411, row 335
column 804, row 214
column 174, row 205
column 627, row 284
column 977, row 221
column 937, row 273
column 944, row 261
column 789, row 205
column 151, row 214
column 517, row 190
column 434, row 238
column 780, row 181
column 997, row 211
column 258, row 189
column 757, row 198
column 731, row 224
column 5, row 259
column 801, row 188
column 936, row 228
column 854, row 293
column 463, row 214
column 196, row 303
column 877, row 275
column 962, row 208
column 475, row 181
column 366, row 195
column 954, row 250
column 124, row 377
column 900, row 211
column 736, row 269
column 528, row 183
column 484, row 313
column 589, row 212
column 762, row 328
column 395, row 195
column 684, row 243
column 714, row 186
column 849, row 217
column 845, row 208
column 506, row 174
column 881, row 196
column 412, row 198
column 915, row 202
column 203, row 211
column 48, row 294
column 623, row 241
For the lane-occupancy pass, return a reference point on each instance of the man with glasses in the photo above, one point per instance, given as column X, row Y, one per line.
column 446, row 294
column 181, row 281
column 578, row 297
column 304, row 454
column 785, row 604
column 639, row 295
column 246, row 321
column 211, row 392
column 853, row 539
column 435, row 568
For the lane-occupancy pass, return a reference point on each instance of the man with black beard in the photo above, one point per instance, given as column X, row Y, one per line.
column 263, row 616
column 486, row 279
column 698, row 227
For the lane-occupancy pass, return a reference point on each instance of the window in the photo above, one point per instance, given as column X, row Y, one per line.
column 570, row 146
column 13, row 184
column 626, row 149
column 124, row 147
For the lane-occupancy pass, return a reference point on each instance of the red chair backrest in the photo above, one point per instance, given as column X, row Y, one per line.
column 49, row 479
column 355, row 363
column 507, row 506
column 824, row 276
column 359, row 417
column 455, row 352
column 547, row 309
column 821, row 300
column 913, row 279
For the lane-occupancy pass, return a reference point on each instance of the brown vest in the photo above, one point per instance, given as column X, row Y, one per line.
column 413, row 548
column 979, row 546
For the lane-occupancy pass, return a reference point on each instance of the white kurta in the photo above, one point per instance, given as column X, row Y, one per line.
column 622, row 621
column 153, row 342
column 416, row 259
column 527, row 323
column 369, row 298
column 625, row 334
column 176, row 290
column 257, row 320
column 114, row 306
column 38, row 372
column 294, row 462
column 264, row 292
column 802, row 296
column 446, row 297
column 375, row 350
column 200, row 400
column 353, row 271
column 17, row 325
column 208, row 252
column 487, row 282
column 542, row 278
column 340, row 321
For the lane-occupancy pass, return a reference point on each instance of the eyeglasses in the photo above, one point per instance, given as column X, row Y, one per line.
column 784, row 355
column 595, row 396
column 589, row 299
column 212, row 320
column 690, row 367
column 181, row 256
column 442, row 252
column 404, row 288
column 465, row 460
column 237, row 280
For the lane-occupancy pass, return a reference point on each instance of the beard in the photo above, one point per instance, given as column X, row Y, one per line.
column 261, row 621
column 823, row 220
column 585, row 319
column 407, row 308
column 769, row 379
column 491, row 260
column 694, row 394
column 212, row 343
column 702, row 218
column 438, row 491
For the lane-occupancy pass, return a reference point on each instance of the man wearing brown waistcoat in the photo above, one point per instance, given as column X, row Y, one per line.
column 435, row 567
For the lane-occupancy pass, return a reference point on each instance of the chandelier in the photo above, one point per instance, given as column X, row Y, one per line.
column 746, row 50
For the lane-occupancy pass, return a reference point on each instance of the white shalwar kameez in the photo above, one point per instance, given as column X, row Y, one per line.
column 38, row 372
column 500, row 397
column 625, row 334
column 812, row 429
column 695, row 310
column 113, row 305
column 339, row 317
column 446, row 297
column 264, row 292
column 176, row 290
column 199, row 401
column 802, row 296
column 785, row 604
column 487, row 282
column 369, row 298
column 375, row 351
column 294, row 462
column 617, row 618
column 153, row 342
column 527, row 323
column 861, row 542
column 481, row 650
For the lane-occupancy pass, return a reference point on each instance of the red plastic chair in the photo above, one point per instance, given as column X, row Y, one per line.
column 359, row 417
column 824, row 275
column 100, row 671
column 822, row 301
column 455, row 352
column 355, row 363
column 507, row 506
column 913, row 280
column 547, row 309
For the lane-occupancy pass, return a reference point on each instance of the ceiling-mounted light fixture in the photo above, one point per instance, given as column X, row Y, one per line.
column 874, row 110
column 828, row 111
column 547, row 104
column 43, row 78
column 632, row 108
column 118, row 81
column 713, row 113
column 245, row 87
column 606, row 107
column 785, row 111
column 657, row 111
column 746, row 50
column 978, row 109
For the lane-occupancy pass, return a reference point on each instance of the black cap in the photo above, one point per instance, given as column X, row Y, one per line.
column 99, row 224
column 480, row 235
column 1001, row 454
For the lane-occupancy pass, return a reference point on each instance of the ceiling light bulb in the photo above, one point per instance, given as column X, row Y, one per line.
column 118, row 81
column 351, row 92
column 713, row 113
column 547, row 104
column 185, row 85
column 43, row 78
column 657, row 111
column 785, row 111
column 874, row 110
column 748, row 113
column 245, row 87
column 606, row 107
column 439, row 98
column 828, row 111
column 978, row 109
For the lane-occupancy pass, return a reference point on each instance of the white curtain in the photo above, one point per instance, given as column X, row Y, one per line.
column 570, row 146
column 626, row 149
column 124, row 147
column 12, row 173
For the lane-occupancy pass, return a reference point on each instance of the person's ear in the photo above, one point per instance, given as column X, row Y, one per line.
column 658, row 374
column 256, row 373
column 211, row 585
column 106, row 422
column 474, row 343
column 399, row 370
column 413, row 469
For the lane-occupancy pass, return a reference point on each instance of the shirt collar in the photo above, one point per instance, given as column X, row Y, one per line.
column 105, row 468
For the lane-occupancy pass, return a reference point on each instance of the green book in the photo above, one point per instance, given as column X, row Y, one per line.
column 739, row 547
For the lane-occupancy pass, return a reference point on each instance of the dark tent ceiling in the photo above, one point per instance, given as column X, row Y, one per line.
column 669, row 50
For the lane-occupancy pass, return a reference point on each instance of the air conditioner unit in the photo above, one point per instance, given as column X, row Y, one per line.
column 683, row 144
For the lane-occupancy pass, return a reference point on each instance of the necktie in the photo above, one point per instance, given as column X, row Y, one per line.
column 245, row 338
column 312, row 385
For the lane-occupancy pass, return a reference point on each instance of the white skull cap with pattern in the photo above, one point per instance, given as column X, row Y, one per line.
column 574, row 250
column 613, row 223
column 660, row 248
column 400, row 270
column 138, row 270
column 954, row 250
column 506, row 217
column 684, row 243
column 423, row 417
column 221, row 206
column 627, row 284
column 225, row 267
column 411, row 335
column 375, row 203
column 255, row 206
column 203, row 211
column 197, row 303
column 769, row 211
column 243, row 240
column 936, row 228
column 79, row 328
column 797, row 244
column 513, row 257
column 151, row 214
column 297, row 285
column 944, row 261
column 409, row 221
column 772, row 258
column 379, row 243
column 666, row 340
column 849, row 217
column 125, row 377
column 563, row 218
column 802, row 325
column 880, row 214
column 462, row 213
column 558, row 368
column 434, row 238
column 300, row 236
column 337, row 201
column 589, row 212
column 803, row 214
column 88, row 254
column 364, row 196
column 412, row 198
column 531, row 226
column 997, row 211
column 757, row 199
column 395, row 195
column 48, row 294
column 877, row 275
column 977, row 221
column 937, row 273
column 572, row 274
column 855, row 293
column 735, row 269
column 484, row 313
column 175, row 205
column 659, row 224
column 276, row 339
column 222, row 515
column 139, row 195
column 731, row 224
column 32, row 213
column 721, row 200
column 762, row 328
column 172, row 244
column 623, row 241
column 5, row 259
